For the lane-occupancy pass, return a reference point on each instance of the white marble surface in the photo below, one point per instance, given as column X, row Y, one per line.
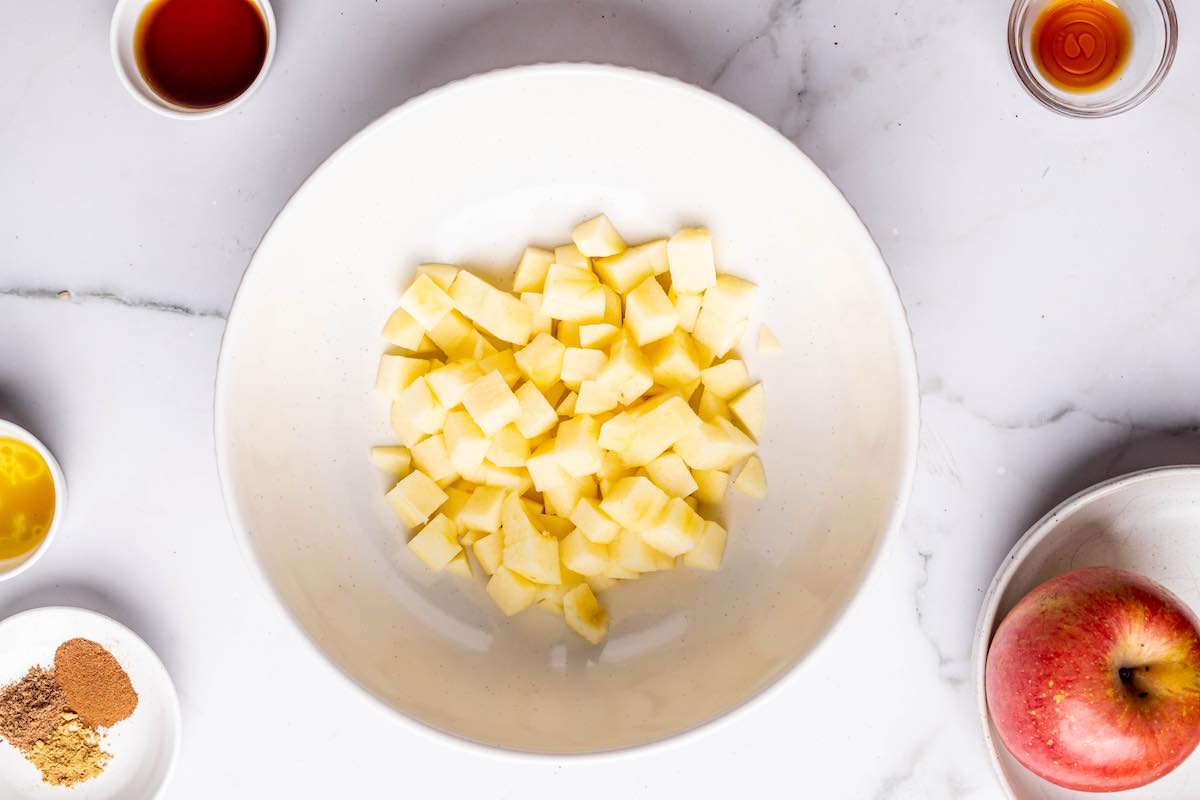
column 1049, row 267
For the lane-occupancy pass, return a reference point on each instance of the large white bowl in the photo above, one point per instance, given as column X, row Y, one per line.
column 470, row 174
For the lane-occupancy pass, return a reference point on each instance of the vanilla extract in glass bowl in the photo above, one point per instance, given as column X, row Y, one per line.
column 1092, row 58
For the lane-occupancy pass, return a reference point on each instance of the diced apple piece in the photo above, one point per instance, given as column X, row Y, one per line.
column 514, row 479
column 489, row 551
column 544, row 468
column 568, row 255
column 505, row 317
column 617, row 434
column 572, row 295
column 531, row 271
column 598, row 334
column 456, row 500
column 431, row 458
column 670, row 474
column 648, row 312
column 634, row 503
column 676, row 530
column 510, row 591
column 617, row 572
column 749, row 408
column 580, row 364
column 516, row 522
column 709, row 551
column 630, row 552
column 424, row 411
column 730, row 298
column 752, row 480
column 626, row 270
column 426, row 302
column 581, row 555
column 403, row 331
column 576, row 446
column 455, row 336
column 437, row 543
column 715, row 445
column 465, row 443
column 450, row 383
column 584, row 614
column 687, row 306
column 402, row 425
column 596, row 398
column 768, row 342
column 441, row 274
column 482, row 509
column 556, row 526
column 491, row 404
column 711, row 485
column 673, row 360
column 459, row 565
column 393, row 459
column 596, row 525
column 509, row 448
column 661, row 422
column 627, row 371
column 613, row 307
column 470, row 537
column 563, row 498
column 727, row 378
column 597, row 238
column 504, row 362
column 533, row 509
column 567, row 407
column 690, row 257
column 717, row 334
column 539, row 322
column 534, row 557
column 711, row 407
column 601, row 583
column 415, row 498
column 537, row 415
column 396, row 372
column 541, row 360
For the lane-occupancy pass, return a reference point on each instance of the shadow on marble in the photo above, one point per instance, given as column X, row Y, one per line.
column 104, row 600
column 1142, row 450
column 546, row 32
column 17, row 407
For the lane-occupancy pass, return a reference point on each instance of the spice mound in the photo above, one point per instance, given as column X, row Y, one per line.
column 53, row 716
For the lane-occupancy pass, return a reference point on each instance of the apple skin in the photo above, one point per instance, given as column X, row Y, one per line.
column 1093, row 680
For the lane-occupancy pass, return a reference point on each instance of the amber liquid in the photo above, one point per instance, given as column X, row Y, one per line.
column 1081, row 45
column 201, row 53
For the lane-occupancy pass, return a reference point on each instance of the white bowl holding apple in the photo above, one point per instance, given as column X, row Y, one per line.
column 1107, row 678
column 470, row 174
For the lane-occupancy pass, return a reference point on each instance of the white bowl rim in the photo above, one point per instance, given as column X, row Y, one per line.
column 154, row 660
column 14, row 431
column 1039, row 531
column 166, row 107
column 909, row 436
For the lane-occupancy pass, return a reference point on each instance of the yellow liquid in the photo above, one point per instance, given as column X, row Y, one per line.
column 26, row 498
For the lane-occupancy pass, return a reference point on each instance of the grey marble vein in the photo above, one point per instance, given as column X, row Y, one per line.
column 950, row 667
column 780, row 12
column 126, row 301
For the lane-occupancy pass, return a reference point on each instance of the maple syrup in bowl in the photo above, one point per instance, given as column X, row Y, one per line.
column 1092, row 58
column 192, row 58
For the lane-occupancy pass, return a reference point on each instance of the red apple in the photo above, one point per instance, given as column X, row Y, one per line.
column 1093, row 680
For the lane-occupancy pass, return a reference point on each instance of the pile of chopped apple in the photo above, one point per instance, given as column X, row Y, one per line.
column 567, row 432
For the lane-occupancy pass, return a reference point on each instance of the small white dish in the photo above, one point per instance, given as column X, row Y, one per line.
column 122, row 43
column 11, row 567
column 470, row 173
column 144, row 747
column 1146, row 522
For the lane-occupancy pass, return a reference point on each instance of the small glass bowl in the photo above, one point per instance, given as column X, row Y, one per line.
column 1154, row 36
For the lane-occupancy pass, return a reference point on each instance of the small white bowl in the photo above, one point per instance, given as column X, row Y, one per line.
column 144, row 747
column 1146, row 522
column 11, row 567
column 122, row 36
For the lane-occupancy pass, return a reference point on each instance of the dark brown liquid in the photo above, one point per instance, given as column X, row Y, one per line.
column 201, row 53
column 1081, row 45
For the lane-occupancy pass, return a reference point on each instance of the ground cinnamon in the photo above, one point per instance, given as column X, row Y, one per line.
column 94, row 683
